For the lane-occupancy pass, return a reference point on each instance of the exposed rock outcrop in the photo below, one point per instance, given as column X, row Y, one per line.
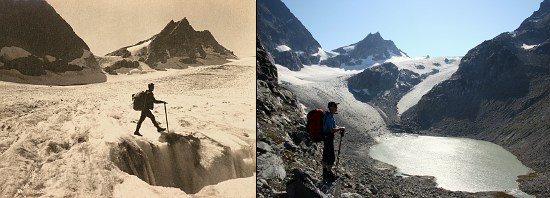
column 371, row 48
column 383, row 86
column 178, row 41
column 283, row 144
column 284, row 36
column 35, row 39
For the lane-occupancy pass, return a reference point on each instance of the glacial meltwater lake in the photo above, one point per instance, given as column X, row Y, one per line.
column 458, row 164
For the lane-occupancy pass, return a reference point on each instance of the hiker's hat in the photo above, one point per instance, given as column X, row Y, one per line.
column 332, row 104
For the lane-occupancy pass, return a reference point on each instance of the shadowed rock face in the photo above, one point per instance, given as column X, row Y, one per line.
column 499, row 93
column 277, row 26
column 178, row 39
column 48, row 42
column 280, row 135
column 374, row 80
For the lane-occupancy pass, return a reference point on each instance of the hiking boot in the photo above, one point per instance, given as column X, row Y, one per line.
column 160, row 129
column 329, row 176
column 137, row 133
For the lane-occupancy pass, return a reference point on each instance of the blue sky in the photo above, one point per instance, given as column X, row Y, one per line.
column 419, row 28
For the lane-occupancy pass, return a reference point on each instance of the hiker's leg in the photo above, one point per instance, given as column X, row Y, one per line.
column 141, row 119
column 328, row 152
column 152, row 117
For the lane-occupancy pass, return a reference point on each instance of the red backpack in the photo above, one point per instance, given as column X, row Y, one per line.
column 314, row 126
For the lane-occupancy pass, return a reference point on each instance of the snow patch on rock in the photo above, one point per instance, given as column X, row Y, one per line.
column 283, row 48
column 528, row 47
column 50, row 58
column 10, row 53
column 349, row 48
column 140, row 49
column 324, row 55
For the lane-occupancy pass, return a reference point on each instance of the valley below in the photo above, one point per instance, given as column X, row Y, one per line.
column 367, row 130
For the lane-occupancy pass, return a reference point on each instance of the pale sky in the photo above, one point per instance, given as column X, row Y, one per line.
column 419, row 27
column 107, row 25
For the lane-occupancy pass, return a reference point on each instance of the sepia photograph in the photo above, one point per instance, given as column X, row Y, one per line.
column 127, row 98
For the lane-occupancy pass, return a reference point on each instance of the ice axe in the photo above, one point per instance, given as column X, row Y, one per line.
column 166, row 114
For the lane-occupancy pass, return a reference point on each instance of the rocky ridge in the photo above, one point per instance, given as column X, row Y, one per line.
column 280, row 125
column 284, row 36
column 178, row 43
column 383, row 86
column 36, row 40
column 372, row 48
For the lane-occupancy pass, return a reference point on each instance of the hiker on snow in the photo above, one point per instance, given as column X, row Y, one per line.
column 149, row 99
column 329, row 128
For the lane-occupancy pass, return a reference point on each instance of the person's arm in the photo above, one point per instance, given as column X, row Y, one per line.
column 157, row 101
column 160, row 101
column 337, row 129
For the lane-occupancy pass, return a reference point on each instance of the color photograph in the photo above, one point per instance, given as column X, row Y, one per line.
column 403, row 98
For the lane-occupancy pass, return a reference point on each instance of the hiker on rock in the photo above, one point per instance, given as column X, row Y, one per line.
column 148, row 100
column 329, row 128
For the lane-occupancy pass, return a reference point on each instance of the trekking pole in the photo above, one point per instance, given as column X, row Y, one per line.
column 339, row 148
column 338, row 189
column 166, row 114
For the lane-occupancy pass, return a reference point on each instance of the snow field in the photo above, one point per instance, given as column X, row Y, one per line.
column 415, row 94
column 61, row 141
column 317, row 84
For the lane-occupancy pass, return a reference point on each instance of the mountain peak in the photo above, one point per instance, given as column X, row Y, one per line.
column 374, row 36
column 177, row 40
column 372, row 48
column 184, row 21
column 278, row 27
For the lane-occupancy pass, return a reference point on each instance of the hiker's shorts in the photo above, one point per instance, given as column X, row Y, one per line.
column 328, row 150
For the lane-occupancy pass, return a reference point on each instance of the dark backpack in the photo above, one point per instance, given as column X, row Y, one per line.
column 138, row 100
column 314, row 126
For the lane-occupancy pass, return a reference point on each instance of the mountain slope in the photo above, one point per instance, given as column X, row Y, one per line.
column 385, row 85
column 500, row 93
column 284, row 36
column 179, row 43
column 280, row 136
column 36, row 41
column 371, row 49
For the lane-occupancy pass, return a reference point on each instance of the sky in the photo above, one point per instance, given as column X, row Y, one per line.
column 107, row 25
column 419, row 28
